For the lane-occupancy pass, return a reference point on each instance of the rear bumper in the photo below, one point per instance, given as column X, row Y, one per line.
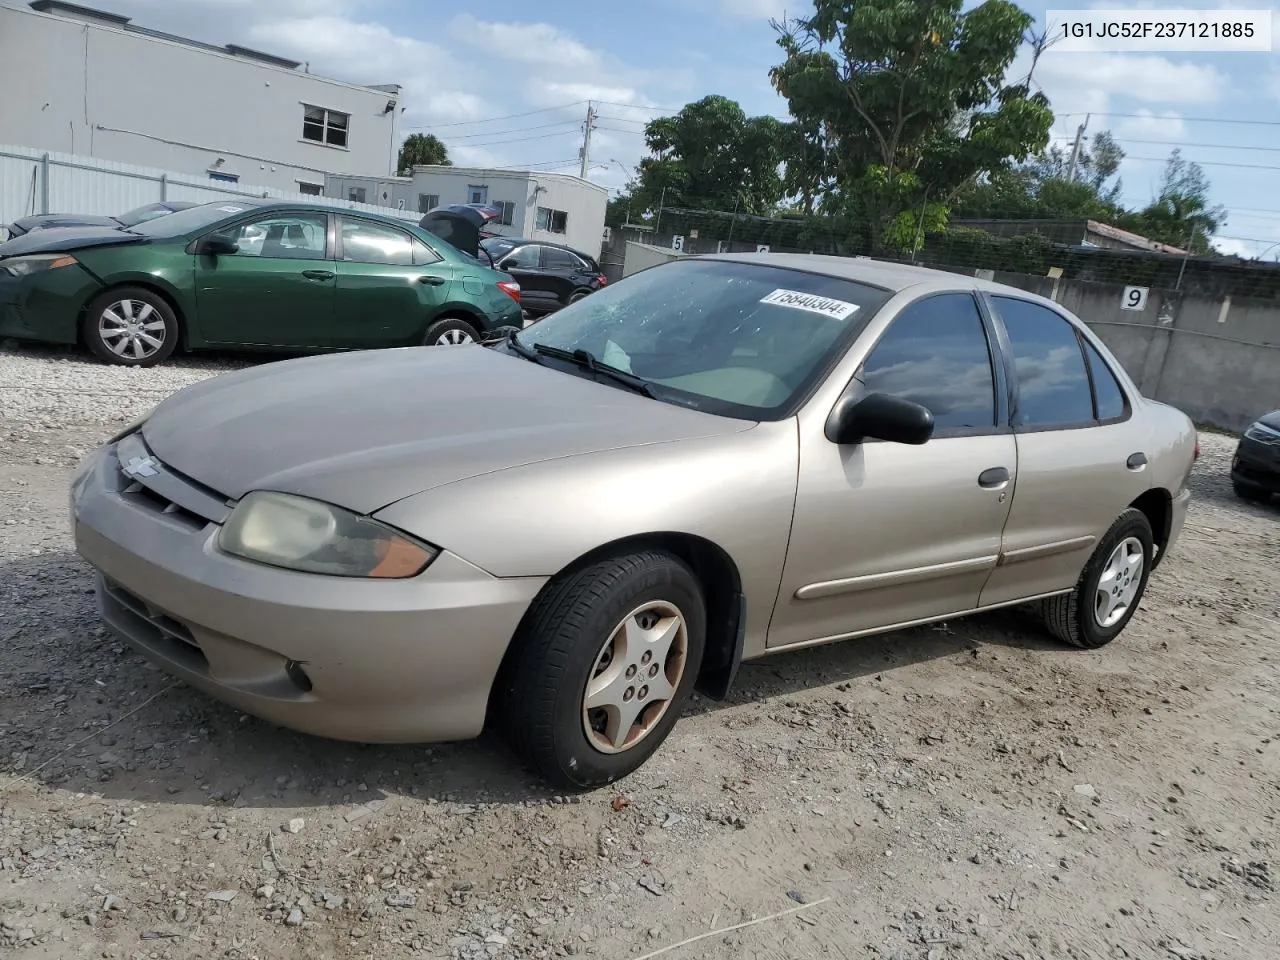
column 392, row 662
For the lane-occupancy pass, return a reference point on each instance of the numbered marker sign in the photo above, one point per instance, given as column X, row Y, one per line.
column 677, row 243
column 762, row 248
column 1134, row 298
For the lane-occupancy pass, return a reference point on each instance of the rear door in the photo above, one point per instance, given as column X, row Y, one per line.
column 1081, row 453
column 276, row 290
column 390, row 285
column 564, row 273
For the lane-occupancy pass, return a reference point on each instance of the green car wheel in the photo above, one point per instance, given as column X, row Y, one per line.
column 130, row 326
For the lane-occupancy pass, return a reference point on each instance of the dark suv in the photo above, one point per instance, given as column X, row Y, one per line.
column 1255, row 469
column 551, row 276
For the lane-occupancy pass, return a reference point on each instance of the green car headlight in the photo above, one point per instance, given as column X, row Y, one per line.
column 36, row 263
column 309, row 536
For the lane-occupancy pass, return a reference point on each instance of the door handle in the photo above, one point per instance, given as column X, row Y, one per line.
column 432, row 281
column 318, row 274
column 1136, row 461
column 993, row 478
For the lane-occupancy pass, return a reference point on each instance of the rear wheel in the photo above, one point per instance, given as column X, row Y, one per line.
column 578, row 295
column 130, row 326
column 602, row 668
column 450, row 332
column 1109, row 589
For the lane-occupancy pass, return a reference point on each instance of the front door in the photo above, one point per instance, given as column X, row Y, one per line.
column 391, row 286
column 887, row 534
column 276, row 290
column 1075, row 474
column 525, row 266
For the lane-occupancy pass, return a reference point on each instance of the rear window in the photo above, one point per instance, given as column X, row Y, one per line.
column 738, row 339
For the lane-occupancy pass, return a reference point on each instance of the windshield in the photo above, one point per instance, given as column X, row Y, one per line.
column 737, row 339
column 141, row 214
column 190, row 220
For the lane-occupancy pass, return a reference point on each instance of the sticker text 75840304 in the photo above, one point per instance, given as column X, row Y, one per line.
column 799, row 300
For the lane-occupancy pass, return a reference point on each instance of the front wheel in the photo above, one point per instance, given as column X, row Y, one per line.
column 1249, row 494
column 602, row 667
column 131, row 327
column 450, row 333
column 1110, row 587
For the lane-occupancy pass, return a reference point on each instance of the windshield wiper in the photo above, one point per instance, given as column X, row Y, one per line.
column 522, row 348
column 588, row 361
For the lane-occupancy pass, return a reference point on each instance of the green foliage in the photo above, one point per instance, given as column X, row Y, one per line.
column 1181, row 214
column 422, row 149
column 903, row 104
column 711, row 154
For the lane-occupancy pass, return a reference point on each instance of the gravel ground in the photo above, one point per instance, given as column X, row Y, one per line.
column 963, row 790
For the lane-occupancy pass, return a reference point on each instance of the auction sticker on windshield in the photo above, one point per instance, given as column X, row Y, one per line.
column 799, row 300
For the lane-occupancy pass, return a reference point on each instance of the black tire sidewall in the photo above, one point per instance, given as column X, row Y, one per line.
column 579, row 762
column 435, row 329
column 98, row 347
column 1133, row 523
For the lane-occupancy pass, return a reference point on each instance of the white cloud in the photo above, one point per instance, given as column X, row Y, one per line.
column 1097, row 77
column 763, row 10
column 526, row 43
column 1167, row 127
column 1265, row 249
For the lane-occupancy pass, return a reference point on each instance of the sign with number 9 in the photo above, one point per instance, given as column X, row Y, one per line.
column 1134, row 298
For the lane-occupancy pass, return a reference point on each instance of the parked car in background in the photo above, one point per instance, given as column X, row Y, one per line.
column 551, row 276
column 51, row 221
column 248, row 274
column 1255, row 468
column 710, row 461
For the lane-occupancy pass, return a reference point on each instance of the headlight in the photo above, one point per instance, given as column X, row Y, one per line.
column 307, row 535
column 1258, row 431
column 36, row 263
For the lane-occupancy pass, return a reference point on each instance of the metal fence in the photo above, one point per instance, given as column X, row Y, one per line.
column 37, row 181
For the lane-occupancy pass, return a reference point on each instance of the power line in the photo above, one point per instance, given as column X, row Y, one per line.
column 544, row 136
column 500, row 133
column 1181, row 143
column 510, row 116
column 1148, row 116
column 1212, row 163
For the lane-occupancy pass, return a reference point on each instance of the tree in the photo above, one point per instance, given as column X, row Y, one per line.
column 910, row 99
column 1039, row 189
column 1181, row 214
column 422, row 149
column 712, row 155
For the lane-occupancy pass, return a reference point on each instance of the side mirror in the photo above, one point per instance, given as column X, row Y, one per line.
column 216, row 246
column 508, row 265
column 879, row 416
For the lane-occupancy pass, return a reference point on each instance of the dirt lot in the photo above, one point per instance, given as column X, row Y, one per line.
column 965, row 790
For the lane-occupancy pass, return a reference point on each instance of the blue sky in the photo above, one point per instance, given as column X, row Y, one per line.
column 534, row 65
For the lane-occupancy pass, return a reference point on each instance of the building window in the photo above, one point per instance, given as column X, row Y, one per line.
column 325, row 126
column 221, row 177
column 508, row 213
column 310, row 189
column 477, row 194
column 428, row 202
column 552, row 221
column 356, row 194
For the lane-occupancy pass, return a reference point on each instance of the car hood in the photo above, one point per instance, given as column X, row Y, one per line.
column 48, row 220
column 66, row 238
column 1271, row 420
column 363, row 430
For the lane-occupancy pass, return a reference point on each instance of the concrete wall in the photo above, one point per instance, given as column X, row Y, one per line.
column 98, row 90
column 1216, row 359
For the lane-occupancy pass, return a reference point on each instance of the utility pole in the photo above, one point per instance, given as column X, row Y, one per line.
column 1075, row 150
column 586, row 138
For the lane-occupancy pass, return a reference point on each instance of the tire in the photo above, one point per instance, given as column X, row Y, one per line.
column 578, row 295
column 1249, row 494
column 567, row 640
column 1074, row 617
column 130, row 327
column 450, row 332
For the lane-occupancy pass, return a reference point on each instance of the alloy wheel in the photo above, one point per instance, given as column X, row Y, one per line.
column 132, row 329
column 1118, row 585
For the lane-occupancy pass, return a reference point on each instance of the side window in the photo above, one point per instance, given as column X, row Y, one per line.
column 298, row 236
column 1106, row 388
column 1053, row 386
column 526, row 257
column 365, row 242
column 554, row 258
column 936, row 354
column 423, row 255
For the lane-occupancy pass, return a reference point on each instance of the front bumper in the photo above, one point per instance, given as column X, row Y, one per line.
column 45, row 306
column 1256, row 465
column 401, row 661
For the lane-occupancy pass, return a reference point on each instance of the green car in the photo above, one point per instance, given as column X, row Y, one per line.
column 249, row 274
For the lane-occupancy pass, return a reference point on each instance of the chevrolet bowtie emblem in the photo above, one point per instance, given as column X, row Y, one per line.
column 141, row 467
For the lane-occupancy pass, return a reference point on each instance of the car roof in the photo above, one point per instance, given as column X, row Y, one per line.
column 267, row 205
column 894, row 277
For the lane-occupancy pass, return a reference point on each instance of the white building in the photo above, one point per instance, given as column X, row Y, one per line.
column 83, row 81
column 556, row 207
